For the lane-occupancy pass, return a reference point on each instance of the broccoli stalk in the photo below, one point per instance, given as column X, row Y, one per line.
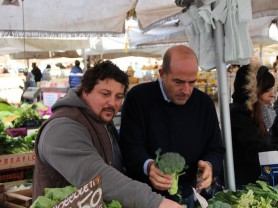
column 174, row 188
column 173, row 164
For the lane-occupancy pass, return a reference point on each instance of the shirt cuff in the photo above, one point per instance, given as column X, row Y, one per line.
column 209, row 164
column 145, row 168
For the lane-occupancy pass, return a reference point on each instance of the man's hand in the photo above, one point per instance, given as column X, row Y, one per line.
column 159, row 180
column 207, row 175
column 166, row 203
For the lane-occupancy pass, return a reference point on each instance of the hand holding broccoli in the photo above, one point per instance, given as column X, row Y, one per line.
column 173, row 164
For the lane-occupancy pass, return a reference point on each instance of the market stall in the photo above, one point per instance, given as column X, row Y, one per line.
column 163, row 10
column 18, row 130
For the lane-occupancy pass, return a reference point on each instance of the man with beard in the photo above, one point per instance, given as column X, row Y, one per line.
column 173, row 115
column 79, row 142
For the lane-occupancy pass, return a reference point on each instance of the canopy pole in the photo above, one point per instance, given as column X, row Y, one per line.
column 261, row 52
column 84, row 60
column 224, row 97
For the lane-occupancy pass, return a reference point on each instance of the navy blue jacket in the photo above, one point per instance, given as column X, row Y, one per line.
column 75, row 77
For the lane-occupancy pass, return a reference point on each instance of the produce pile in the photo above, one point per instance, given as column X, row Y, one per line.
column 13, row 127
column 13, row 145
column 54, row 195
column 17, row 116
column 258, row 195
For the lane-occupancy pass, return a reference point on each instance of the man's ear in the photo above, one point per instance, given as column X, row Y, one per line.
column 84, row 94
column 161, row 73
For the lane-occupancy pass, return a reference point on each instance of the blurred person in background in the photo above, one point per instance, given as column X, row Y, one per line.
column 29, row 79
column 46, row 76
column 36, row 72
column 75, row 75
column 249, row 131
column 266, row 94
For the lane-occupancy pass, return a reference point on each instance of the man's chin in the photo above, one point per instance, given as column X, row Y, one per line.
column 106, row 118
column 180, row 101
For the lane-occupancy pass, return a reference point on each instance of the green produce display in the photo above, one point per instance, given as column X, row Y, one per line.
column 12, row 145
column 171, row 163
column 17, row 116
column 258, row 195
column 43, row 202
column 28, row 113
column 52, row 196
column 13, row 127
column 7, row 107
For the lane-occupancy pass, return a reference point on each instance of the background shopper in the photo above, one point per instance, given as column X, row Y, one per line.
column 249, row 132
column 75, row 75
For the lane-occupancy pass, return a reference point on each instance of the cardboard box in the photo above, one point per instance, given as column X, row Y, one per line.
column 17, row 160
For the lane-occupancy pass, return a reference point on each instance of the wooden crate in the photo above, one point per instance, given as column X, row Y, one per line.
column 16, row 169
column 17, row 160
column 15, row 198
column 18, row 199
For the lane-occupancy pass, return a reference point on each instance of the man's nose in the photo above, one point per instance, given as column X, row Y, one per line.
column 185, row 88
column 112, row 101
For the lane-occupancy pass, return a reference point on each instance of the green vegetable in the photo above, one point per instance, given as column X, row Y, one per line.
column 258, row 195
column 43, row 202
column 1, row 126
column 173, row 164
column 52, row 196
column 219, row 204
column 29, row 140
column 57, row 194
column 113, row 204
column 267, row 194
column 26, row 114
column 6, row 107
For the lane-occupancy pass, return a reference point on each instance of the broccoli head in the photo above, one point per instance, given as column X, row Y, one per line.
column 171, row 163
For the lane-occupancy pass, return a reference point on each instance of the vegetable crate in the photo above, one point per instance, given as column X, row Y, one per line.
column 15, row 198
column 17, row 160
column 14, row 167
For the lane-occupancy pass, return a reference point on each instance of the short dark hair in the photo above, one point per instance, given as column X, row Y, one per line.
column 101, row 71
column 77, row 63
column 265, row 80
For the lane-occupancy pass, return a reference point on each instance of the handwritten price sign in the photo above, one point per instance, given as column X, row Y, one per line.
column 88, row 196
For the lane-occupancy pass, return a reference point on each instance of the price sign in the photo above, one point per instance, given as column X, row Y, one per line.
column 88, row 196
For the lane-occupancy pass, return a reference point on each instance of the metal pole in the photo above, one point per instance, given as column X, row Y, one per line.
column 84, row 59
column 223, row 95
column 261, row 52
